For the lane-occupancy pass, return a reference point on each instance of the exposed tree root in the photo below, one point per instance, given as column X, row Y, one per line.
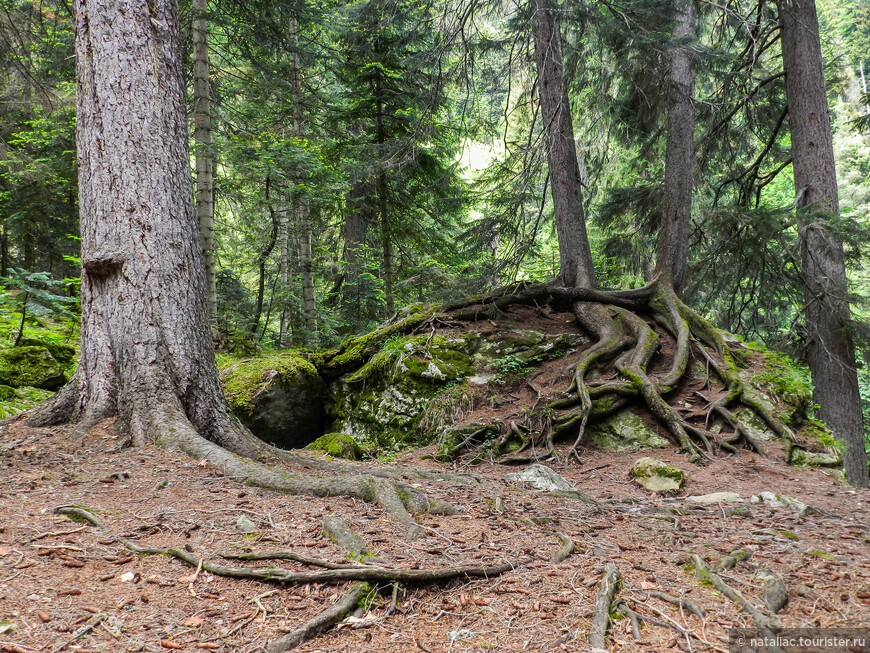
column 682, row 603
column 565, row 550
column 623, row 349
column 603, row 600
column 286, row 576
column 321, row 622
column 336, row 529
column 764, row 624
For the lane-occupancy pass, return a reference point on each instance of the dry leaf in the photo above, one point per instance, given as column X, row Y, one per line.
column 168, row 643
column 5, row 550
column 463, row 599
column 193, row 622
column 44, row 617
column 209, row 645
column 127, row 577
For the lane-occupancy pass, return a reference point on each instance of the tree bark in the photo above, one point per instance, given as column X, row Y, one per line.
column 575, row 256
column 831, row 348
column 203, row 148
column 673, row 243
column 303, row 211
column 283, row 267
column 146, row 347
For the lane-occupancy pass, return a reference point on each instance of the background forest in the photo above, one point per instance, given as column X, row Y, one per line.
column 352, row 158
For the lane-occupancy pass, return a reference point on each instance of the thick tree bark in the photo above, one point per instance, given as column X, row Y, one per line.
column 203, row 150
column 303, row 211
column 831, row 346
column 575, row 256
column 146, row 347
column 673, row 244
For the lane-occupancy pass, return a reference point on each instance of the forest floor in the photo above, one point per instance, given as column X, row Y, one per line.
column 69, row 586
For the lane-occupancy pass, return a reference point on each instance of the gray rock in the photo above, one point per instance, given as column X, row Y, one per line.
column 715, row 497
column 799, row 457
column 777, row 501
column 657, row 476
column 541, row 477
column 245, row 525
column 624, row 431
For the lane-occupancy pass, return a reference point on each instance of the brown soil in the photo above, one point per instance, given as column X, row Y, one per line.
column 57, row 576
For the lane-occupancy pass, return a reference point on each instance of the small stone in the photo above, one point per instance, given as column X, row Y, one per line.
column 541, row 477
column 715, row 497
column 245, row 525
column 657, row 476
column 777, row 501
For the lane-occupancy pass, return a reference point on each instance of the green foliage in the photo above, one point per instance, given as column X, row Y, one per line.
column 30, row 295
column 17, row 400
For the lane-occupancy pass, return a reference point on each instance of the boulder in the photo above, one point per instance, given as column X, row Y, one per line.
column 657, row 476
column 279, row 398
column 624, row 431
column 403, row 394
column 62, row 352
column 31, row 366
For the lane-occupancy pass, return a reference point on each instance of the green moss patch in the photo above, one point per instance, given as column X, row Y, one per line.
column 338, row 445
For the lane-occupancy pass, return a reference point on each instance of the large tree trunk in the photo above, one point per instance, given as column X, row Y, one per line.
column 203, row 151
column 146, row 347
column 679, row 157
column 575, row 256
column 831, row 347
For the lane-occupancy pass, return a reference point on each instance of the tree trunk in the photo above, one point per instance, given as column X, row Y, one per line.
column 203, row 150
column 575, row 256
column 4, row 249
column 283, row 268
column 303, row 212
column 679, row 157
column 831, row 348
column 383, row 201
column 146, row 347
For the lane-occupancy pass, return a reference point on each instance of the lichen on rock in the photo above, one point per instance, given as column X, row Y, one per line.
column 279, row 398
column 386, row 399
column 624, row 431
column 657, row 476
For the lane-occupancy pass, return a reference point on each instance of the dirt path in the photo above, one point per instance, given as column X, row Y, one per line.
column 68, row 586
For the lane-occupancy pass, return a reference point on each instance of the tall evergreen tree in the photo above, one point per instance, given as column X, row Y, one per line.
column 831, row 349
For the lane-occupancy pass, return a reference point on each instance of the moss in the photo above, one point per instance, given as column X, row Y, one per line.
column 355, row 350
column 789, row 535
column 244, row 379
column 31, row 366
column 338, row 445
column 820, row 554
column 61, row 352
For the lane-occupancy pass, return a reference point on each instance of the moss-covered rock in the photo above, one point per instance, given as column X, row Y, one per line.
column 31, row 366
column 279, row 398
column 385, row 400
column 657, row 476
column 62, row 352
column 624, row 431
column 338, row 445
column 801, row 458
